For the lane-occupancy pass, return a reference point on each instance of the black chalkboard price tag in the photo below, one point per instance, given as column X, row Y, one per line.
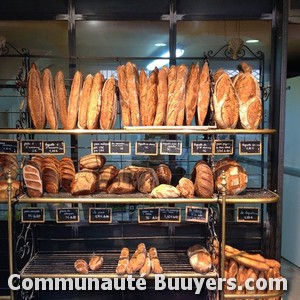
column 67, row 215
column 201, row 147
column 148, row 215
column 196, row 214
column 146, row 147
column 33, row 215
column 54, row 148
column 248, row 214
column 223, row 147
column 120, row 147
column 169, row 214
column 9, row 147
column 250, row 148
column 171, row 147
column 100, row 215
column 32, row 147
column 100, row 147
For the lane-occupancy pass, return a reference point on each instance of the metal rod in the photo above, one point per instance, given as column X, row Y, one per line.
column 10, row 230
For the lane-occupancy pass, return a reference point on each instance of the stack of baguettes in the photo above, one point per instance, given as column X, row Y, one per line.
column 92, row 101
column 169, row 96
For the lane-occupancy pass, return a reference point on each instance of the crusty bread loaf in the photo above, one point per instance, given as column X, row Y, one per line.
column 200, row 260
column 8, row 162
column 74, row 100
column 165, row 191
column 67, row 173
column 84, row 183
column 61, row 98
column 146, row 268
column 143, row 88
column 84, row 101
column 138, row 259
column 33, row 179
column 191, row 97
column 81, row 266
column 124, row 96
column 96, row 262
column 172, row 75
column 175, row 106
column 225, row 102
column 203, row 94
column 133, row 93
column 147, row 180
column 151, row 99
column 123, row 183
column 108, row 111
column 186, row 188
column 35, row 99
column 162, row 97
column 164, row 174
column 123, row 261
column 92, row 161
column 49, row 99
column 50, row 175
column 106, row 175
column 249, row 97
column 95, row 102
column 155, row 262
column 203, row 179
column 3, row 189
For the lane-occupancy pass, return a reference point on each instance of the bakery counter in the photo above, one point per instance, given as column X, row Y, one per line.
column 141, row 130
column 52, row 265
column 252, row 196
column 103, row 198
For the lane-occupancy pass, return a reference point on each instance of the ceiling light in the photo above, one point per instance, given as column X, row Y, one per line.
column 160, row 44
column 161, row 62
column 252, row 41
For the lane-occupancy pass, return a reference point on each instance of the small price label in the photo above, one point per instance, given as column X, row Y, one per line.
column 100, row 147
column 54, row 147
column 146, row 147
column 196, row 214
column 100, row 215
column 171, row 147
column 120, row 147
column 223, row 147
column 201, row 147
column 169, row 214
column 250, row 148
column 67, row 215
column 148, row 215
column 248, row 214
column 9, row 147
column 33, row 215
column 32, row 147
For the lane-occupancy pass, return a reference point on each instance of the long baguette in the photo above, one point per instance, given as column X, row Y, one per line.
column 74, row 100
column 84, row 101
column 151, row 99
column 143, row 86
column 61, row 98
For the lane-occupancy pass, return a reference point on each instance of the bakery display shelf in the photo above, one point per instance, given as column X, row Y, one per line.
column 273, row 295
column 53, row 265
column 103, row 198
column 141, row 130
column 252, row 196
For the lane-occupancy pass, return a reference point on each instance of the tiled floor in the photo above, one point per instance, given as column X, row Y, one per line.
column 292, row 274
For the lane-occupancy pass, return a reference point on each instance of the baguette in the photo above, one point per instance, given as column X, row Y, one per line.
column 133, row 93
column 84, row 101
column 124, row 97
column 192, row 94
column 95, row 102
column 155, row 263
column 146, row 268
column 108, row 111
column 143, row 86
column 162, row 97
column 61, row 98
column 35, row 99
column 138, row 259
column 74, row 100
column 123, row 262
column 151, row 99
column 49, row 99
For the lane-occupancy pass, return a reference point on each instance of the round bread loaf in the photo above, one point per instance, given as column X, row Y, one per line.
column 147, row 181
column 186, row 188
column 164, row 174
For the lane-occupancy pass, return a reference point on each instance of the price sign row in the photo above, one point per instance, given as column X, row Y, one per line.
column 172, row 214
column 33, row 147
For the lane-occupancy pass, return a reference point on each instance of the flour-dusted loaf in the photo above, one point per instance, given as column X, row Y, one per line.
column 225, row 101
column 32, row 175
column 200, row 259
column 84, row 183
column 124, row 95
column 92, row 161
column 123, row 262
column 192, row 94
column 108, row 111
column 84, row 101
column 133, row 93
column 249, row 97
column 49, row 99
column 35, row 99
column 74, row 100
column 203, row 179
column 61, row 98
column 146, row 181
column 162, row 97
column 123, row 183
column 203, row 94
column 165, row 191
column 95, row 102
column 186, row 188
column 105, row 177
